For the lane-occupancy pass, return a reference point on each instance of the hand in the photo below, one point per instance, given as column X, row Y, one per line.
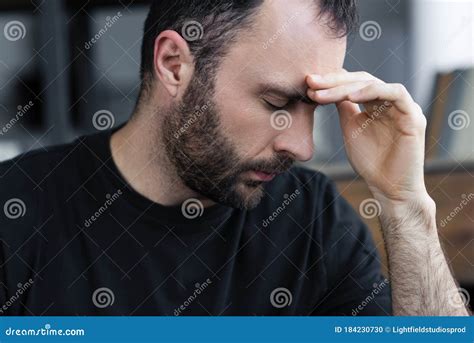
column 385, row 143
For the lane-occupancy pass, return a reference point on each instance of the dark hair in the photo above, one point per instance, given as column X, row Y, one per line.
column 211, row 26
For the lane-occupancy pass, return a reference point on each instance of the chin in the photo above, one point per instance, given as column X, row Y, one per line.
column 250, row 195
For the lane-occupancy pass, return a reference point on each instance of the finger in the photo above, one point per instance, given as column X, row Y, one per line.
column 336, row 79
column 335, row 94
column 347, row 110
column 393, row 92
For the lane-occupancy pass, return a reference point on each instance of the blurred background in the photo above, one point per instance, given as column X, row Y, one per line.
column 62, row 61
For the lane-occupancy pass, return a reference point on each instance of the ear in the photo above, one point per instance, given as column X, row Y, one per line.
column 173, row 62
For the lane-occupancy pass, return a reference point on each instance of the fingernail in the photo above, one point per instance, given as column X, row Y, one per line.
column 322, row 92
column 316, row 78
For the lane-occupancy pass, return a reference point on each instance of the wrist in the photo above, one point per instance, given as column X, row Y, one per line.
column 415, row 215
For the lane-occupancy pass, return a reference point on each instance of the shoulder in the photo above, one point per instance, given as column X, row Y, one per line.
column 26, row 185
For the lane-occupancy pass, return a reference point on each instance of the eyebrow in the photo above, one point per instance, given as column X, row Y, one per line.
column 290, row 93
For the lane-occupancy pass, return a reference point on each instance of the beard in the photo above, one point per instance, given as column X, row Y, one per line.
column 205, row 159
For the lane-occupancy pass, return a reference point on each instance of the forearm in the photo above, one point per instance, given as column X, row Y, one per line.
column 422, row 283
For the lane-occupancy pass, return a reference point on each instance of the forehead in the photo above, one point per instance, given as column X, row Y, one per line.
column 286, row 43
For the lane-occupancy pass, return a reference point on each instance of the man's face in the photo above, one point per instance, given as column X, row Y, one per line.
column 228, row 137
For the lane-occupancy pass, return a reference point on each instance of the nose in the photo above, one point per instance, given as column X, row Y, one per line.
column 295, row 138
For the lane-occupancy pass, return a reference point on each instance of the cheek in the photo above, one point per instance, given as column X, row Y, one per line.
column 246, row 123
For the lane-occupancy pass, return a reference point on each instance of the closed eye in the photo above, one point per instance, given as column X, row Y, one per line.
column 275, row 107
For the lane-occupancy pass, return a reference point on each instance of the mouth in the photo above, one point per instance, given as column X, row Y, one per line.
column 262, row 176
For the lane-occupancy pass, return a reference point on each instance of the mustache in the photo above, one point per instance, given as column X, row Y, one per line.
column 276, row 165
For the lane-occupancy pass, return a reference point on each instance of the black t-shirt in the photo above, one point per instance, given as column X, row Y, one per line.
column 76, row 239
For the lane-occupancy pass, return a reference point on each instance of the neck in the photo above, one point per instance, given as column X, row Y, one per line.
column 139, row 154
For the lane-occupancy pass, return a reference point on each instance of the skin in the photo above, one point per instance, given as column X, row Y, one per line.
column 388, row 153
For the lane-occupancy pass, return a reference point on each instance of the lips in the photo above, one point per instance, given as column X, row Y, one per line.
column 263, row 176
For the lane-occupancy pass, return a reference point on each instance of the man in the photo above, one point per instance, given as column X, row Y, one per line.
column 194, row 206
